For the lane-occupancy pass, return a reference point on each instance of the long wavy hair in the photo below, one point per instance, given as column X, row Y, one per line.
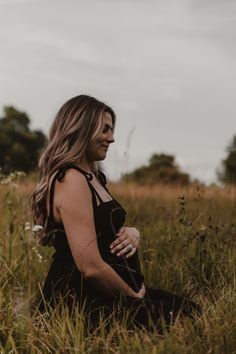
column 78, row 122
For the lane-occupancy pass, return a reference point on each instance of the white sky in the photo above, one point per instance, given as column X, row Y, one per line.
column 167, row 67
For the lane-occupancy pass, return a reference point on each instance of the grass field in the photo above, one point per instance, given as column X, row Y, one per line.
column 188, row 246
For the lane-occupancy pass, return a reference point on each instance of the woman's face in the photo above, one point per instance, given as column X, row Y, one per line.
column 97, row 148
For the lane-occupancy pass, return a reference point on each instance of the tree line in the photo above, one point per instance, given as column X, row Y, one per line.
column 20, row 147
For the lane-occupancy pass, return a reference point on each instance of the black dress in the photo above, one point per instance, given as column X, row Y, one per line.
column 64, row 280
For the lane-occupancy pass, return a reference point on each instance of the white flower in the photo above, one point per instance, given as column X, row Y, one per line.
column 11, row 177
column 27, row 226
column 6, row 181
column 203, row 227
column 37, row 228
column 20, row 173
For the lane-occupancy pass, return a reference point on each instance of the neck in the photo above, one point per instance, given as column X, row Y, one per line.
column 85, row 165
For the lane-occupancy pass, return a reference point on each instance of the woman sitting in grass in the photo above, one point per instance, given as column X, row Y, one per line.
column 96, row 263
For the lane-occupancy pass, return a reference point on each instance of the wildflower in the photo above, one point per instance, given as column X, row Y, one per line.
column 203, row 228
column 20, row 173
column 27, row 226
column 40, row 257
column 8, row 180
column 36, row 228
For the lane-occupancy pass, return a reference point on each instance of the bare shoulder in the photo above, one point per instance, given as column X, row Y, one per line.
column 71, row 189
column 73, row 186
column 73, row 178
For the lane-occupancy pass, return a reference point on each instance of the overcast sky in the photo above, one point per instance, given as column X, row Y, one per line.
column 166, row 67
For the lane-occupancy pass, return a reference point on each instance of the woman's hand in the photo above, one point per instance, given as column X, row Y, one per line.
column 142, row 292
column 126, row 242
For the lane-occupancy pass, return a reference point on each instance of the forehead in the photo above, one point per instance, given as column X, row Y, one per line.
column 107, row 118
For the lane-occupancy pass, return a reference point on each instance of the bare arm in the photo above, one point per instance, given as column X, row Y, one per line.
column 76, row 212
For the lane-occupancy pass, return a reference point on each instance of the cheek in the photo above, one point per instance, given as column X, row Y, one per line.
column 98, row 141
column 94, row 148
column 93, row 145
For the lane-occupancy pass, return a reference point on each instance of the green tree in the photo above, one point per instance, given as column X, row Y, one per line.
column 162, row 160
column 228, row 175
column 161, row 169
column 19, row 145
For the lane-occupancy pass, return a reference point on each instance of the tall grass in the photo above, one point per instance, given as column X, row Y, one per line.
column 188, row 246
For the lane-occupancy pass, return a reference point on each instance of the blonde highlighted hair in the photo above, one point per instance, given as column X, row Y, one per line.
column 78, row 122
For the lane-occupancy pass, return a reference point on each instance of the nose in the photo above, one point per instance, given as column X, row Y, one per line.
column 110, row 137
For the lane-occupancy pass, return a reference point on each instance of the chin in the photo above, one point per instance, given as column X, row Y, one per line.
column 101, row 157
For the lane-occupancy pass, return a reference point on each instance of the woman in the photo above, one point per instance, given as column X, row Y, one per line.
column 96, row 260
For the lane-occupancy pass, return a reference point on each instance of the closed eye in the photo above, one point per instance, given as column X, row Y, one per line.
column 107, row 127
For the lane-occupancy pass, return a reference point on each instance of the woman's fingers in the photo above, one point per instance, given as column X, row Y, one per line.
column 128, row 251
column 119, row 240
column 126, row 241
column 124, row 247
column 131, row 252
column 121, row 244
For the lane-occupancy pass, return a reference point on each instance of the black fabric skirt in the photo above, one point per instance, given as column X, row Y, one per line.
column 64, row 282
column 156, row 311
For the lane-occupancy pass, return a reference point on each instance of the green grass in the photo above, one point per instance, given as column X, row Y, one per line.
column 188, row 246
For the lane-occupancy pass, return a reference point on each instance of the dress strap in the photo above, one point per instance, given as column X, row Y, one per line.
column 88, row 176
column 62, row 172
column 60, row 175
